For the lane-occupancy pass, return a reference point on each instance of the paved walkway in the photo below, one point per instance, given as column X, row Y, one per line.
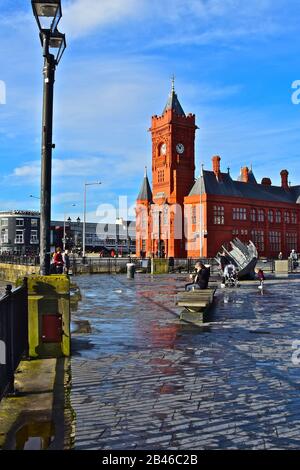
column 142, row 380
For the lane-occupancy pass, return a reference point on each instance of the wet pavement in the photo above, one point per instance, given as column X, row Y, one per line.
column 143, row 380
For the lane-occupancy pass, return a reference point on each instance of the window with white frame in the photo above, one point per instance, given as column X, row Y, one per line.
column 271, row 216
column 287, row 217
column 219, row 215
column 291, row 241
column 4, row 235
column 260, row 215
column 294, row 218
column 258, row 238
column 239, row 213
column 253, row 215
column 20, row 222
column 275, row 241
column 34, row 236
column 278, row 217
column 34, row 222
column 19, row 236
column 4, row 222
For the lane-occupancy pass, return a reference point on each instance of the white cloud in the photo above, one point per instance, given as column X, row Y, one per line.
column 82, row 17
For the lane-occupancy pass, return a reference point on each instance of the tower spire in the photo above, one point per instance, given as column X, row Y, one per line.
column 173, row 102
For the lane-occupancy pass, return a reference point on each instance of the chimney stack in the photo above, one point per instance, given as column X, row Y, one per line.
column 284, row 179
column 245, row 174
column 217, row 167
column 266, row 182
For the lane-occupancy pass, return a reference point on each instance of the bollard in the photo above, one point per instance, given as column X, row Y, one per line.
column 130, row 270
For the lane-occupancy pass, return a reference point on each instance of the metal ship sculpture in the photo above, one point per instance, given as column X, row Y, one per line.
column 243, row 256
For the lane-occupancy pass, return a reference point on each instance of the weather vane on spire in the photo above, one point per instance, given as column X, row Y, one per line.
column 173, row 82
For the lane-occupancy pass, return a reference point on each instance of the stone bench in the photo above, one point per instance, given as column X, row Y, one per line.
column 195, row 304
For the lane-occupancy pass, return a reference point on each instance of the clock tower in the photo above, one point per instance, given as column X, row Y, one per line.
column 173, row 166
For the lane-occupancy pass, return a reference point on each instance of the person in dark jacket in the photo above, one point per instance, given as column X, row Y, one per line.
column 223, row 261
column 200, row 278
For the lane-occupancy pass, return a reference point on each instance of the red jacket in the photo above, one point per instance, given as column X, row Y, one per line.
column 58, row 259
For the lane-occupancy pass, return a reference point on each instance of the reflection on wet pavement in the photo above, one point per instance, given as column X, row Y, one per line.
column 142, row 379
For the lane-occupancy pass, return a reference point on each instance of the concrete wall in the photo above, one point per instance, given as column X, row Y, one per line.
column 13, row 272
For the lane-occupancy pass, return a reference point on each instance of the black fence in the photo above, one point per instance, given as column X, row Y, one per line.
column 118, row 265
column 113, row 265
column 25, row 260
column 13, row 334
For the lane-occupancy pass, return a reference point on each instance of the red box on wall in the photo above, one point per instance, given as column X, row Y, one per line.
column 52, row 328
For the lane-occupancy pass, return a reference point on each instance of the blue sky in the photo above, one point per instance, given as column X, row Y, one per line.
column 234, row 61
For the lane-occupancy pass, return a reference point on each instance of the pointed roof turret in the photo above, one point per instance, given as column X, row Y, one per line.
column 173, row 102
column 145, row 193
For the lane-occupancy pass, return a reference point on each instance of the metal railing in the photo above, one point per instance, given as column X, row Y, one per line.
column 13, row 334
column 118, row 265
column 112, row 265
column 26, row 260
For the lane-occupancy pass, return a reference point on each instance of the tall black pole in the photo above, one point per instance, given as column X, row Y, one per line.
column 46, row 167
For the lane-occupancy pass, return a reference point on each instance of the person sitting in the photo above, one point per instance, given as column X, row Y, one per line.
column 200, row 278
column 229, row 273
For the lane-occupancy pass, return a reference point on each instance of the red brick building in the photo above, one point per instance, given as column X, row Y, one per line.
column 181, row 217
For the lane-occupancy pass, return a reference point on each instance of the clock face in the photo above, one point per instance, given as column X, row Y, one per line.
column 180, row 148
column 163, row 149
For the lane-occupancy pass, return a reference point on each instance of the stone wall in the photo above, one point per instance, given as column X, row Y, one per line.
column 13, row 272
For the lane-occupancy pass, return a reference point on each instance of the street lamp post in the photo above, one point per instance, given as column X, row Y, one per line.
column 48, row 14
column 64, row 239
column 84, row 214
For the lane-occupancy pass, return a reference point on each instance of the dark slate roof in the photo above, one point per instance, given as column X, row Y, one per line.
column 208, row 184
column 145, row 193
column 173, row 103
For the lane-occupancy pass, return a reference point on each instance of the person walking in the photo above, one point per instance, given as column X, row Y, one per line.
column 66, row 260
column 58, row 261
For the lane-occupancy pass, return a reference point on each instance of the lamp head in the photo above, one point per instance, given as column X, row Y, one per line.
column 47, row 13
